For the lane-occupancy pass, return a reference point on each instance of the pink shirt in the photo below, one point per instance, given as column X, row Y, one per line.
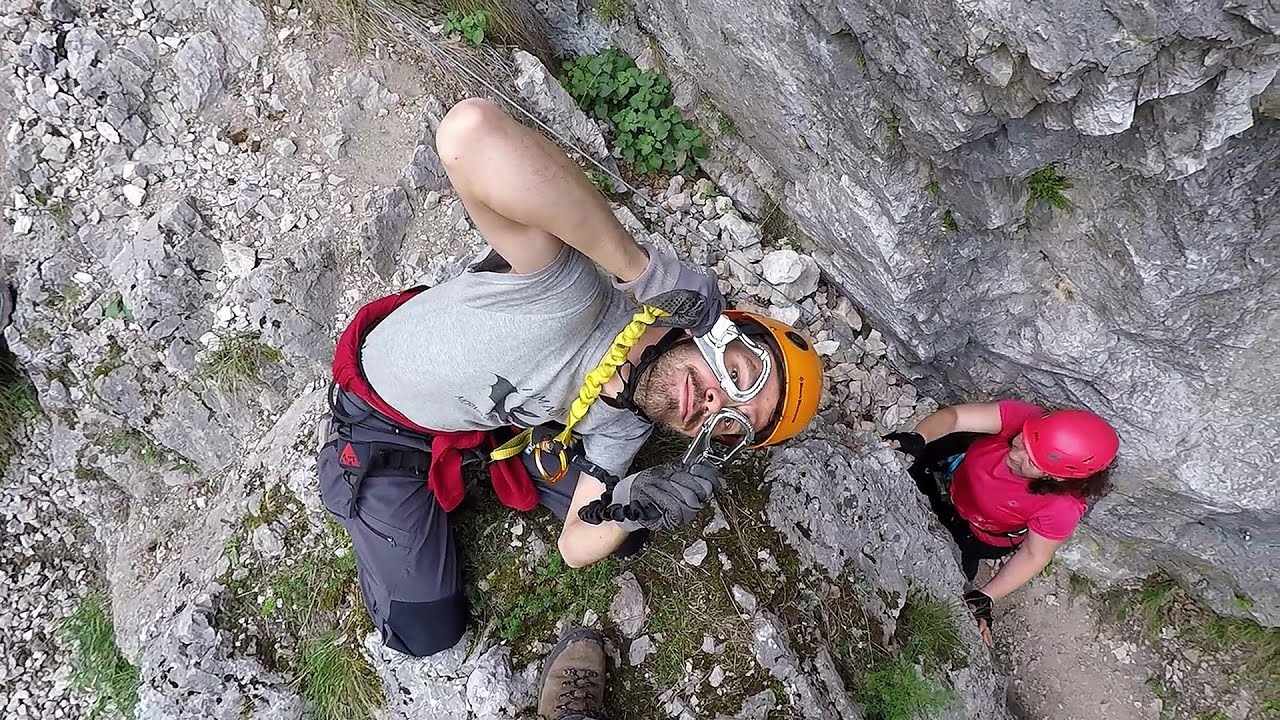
column 996, row 501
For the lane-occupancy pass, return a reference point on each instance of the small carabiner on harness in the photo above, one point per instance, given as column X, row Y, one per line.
column 546, row 446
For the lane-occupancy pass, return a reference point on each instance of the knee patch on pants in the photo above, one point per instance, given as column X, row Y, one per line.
column 425, row 628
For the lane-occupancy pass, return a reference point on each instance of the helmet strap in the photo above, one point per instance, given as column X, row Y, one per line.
column 638, row 370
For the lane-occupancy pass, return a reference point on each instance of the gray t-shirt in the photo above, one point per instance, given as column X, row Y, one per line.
column 493, row 349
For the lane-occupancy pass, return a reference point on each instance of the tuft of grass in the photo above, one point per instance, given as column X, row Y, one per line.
column 505, row 22
column 608, row 10
column 237, row 361
column 336, row 680
column 97, row 665
column 126, row 440
column 66, row 298
column 1243, row 603
column 861, row 60
column 933, row 188
column 726, row 126
column 949, row 221
column 894, row 690
column 1046, row 185
column 18, row 402
column 1155, row 601
column 1077, row 585
column 927, row 632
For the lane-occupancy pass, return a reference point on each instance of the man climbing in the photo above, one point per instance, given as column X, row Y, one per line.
column 1020, row 487
column 425, row 380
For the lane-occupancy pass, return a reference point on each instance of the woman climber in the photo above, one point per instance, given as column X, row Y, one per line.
column 1008, row 476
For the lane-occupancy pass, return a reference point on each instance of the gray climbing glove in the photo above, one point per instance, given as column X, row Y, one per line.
column 691, row 294
column 664, row 497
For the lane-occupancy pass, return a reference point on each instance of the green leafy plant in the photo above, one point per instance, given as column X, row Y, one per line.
column 932, row 188
column 1047, row 185
column 650, row 133
column 861, row 60
column 97, row 665
column 949, row 222
column 470, row 26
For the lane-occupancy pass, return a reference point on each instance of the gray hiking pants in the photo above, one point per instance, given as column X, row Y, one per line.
column 410, row 574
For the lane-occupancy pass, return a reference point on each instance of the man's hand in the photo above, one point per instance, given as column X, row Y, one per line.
column 664, row 497
column 690, row 294
column 910, row 443
column 979, row 604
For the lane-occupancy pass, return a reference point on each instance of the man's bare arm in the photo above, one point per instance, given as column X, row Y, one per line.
column 581, row 543
column 526, row 196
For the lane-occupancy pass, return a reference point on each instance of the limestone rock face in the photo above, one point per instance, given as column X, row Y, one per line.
column 1152, row 299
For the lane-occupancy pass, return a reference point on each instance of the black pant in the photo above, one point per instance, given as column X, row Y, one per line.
column 933, row 478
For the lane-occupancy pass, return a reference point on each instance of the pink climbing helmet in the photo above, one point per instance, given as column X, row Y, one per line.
column 1070, row 444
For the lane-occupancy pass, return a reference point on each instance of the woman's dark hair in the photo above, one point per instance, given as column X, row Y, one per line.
column 1088, row 488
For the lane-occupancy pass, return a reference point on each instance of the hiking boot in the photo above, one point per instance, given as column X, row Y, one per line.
column 573, row 678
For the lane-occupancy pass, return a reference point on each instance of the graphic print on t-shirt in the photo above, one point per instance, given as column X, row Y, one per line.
column 511, row 406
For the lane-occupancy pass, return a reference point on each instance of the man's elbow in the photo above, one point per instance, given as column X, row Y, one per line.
column 572, row 551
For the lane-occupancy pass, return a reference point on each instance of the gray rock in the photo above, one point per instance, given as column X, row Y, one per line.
column 628, row 610
column 200, row 65
column 426, row 172
column 696, row 553
column 494, row 690
column 382, row 234
column 812, row 698
column 742, row 233
column 1097, row 307
column 640, row 648
column 58, row 11
column 756, row 707
column 242, row 27
column 858, row 513
column 1106, row 105
column 187, row 673
column 430, row 688
column 555, row 107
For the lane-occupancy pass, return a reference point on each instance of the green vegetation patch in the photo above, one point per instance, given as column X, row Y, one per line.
column 18, row 402
column 1046, row 185
column 650, row 133
column 336, row 681
column 470, row 26
column 895, row 690
column 237, row 361
column 97, row 665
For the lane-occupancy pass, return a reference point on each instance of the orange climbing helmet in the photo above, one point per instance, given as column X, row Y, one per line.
column 801, row 376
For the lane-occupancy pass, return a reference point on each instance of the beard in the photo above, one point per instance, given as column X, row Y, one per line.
column 658, row 394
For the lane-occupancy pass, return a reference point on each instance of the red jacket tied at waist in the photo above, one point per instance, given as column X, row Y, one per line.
column 510, row 479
